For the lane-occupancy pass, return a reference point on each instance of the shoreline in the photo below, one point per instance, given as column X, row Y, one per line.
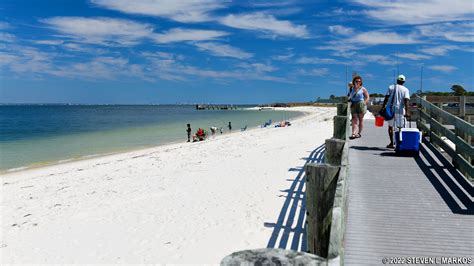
column 39, row 165
column 177, row 203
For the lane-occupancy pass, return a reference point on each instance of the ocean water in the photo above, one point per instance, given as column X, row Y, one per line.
column 34, row 135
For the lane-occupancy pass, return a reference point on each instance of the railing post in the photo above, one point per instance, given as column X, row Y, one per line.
column 334, row 149
column 341, row 108
column 340, row 126
column 321, row 183
column 462, row 107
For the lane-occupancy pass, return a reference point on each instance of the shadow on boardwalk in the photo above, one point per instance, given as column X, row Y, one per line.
column 295, row 202
column 456, row 191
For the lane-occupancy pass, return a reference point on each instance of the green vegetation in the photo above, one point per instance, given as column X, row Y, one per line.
column 376, row 95
column 456, row 90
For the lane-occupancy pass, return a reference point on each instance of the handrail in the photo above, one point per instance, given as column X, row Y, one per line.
column 326, row 194
column 433, row 121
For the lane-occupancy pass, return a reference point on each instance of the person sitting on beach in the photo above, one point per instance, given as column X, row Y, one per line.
column 213, row 130
column 200, row 134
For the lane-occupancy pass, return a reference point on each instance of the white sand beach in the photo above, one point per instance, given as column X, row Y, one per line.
column 179, row 203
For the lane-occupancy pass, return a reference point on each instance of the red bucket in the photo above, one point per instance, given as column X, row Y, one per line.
column 379, row 121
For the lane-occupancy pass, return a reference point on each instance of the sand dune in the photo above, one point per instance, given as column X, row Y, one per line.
column 179, row 203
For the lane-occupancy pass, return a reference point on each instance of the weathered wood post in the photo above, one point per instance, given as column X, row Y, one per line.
column 340, row 127
column 321, row 183
column 462, row 107
column 340, row 121
column 342, row 109
column 334, row 149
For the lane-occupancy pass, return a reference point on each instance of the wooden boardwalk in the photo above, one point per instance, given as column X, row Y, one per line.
column 404, row 206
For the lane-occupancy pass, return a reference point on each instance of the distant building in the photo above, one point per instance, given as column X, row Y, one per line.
column 376, row 100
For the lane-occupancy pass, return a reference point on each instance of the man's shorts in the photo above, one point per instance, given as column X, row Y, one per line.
column 398, row 119
column 358, row 108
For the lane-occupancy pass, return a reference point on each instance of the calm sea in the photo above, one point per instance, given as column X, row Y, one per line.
column 33, row 135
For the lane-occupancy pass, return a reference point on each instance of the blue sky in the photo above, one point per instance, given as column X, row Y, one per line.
column 209, row 51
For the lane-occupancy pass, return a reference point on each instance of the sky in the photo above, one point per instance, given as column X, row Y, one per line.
column 214, row 51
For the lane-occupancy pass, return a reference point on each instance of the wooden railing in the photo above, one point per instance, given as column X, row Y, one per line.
column 440, row 126
column 326, row 208
column 326, row 194
column 461, row 106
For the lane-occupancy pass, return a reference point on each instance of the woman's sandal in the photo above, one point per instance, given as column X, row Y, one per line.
column 353, row 136
column 358, row 135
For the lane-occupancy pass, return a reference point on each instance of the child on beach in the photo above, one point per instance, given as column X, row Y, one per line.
column 188, row 130
column 200, row 135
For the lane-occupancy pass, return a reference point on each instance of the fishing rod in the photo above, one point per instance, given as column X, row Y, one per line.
column 421, row 79
column 348, row 89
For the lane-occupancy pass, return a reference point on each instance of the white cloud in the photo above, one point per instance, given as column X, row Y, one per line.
column 179, row 35
column 315, row 60
column 4, row 25
column 418, row 11
column 7, row 37
column 383, row 37
column 283, row 57
column 379, row 59
column 337, row 12
column 161, row 55
column 439, row 50
column 443, row 68
column 7, row 59
column 341, row 30
column 265, row 23
column 358, row 41
column 271, row 3
column 318, row 72
column 457, row 32
column 182, row 10
column 258, row 67
column 223, row 50
column 99, row 30
column 28, row 60
column 83, row 48
column 341, row 47
column 49, row 42
column 413, row 56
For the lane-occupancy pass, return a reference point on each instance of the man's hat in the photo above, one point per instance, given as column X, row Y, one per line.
column 401, row 77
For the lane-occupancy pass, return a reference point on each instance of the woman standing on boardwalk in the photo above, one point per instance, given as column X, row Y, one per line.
column 359, row 98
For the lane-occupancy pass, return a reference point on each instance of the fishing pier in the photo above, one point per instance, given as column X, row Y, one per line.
column 215, row 107
column 363, row 204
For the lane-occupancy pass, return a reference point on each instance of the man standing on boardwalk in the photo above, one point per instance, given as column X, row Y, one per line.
column 401, row 96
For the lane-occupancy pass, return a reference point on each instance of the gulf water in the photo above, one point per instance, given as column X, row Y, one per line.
column 36, row 135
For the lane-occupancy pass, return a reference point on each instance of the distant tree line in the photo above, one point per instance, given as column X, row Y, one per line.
column 456, row 90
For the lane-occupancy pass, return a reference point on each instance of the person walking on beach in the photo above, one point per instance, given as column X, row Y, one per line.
column 188, row 130
column 359, row 98
column 230, row 126
column 401, row 97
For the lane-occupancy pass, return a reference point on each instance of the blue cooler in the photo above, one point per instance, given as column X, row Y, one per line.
column 407, row 139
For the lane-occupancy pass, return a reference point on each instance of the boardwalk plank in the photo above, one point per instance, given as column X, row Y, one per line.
column 402, row 206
